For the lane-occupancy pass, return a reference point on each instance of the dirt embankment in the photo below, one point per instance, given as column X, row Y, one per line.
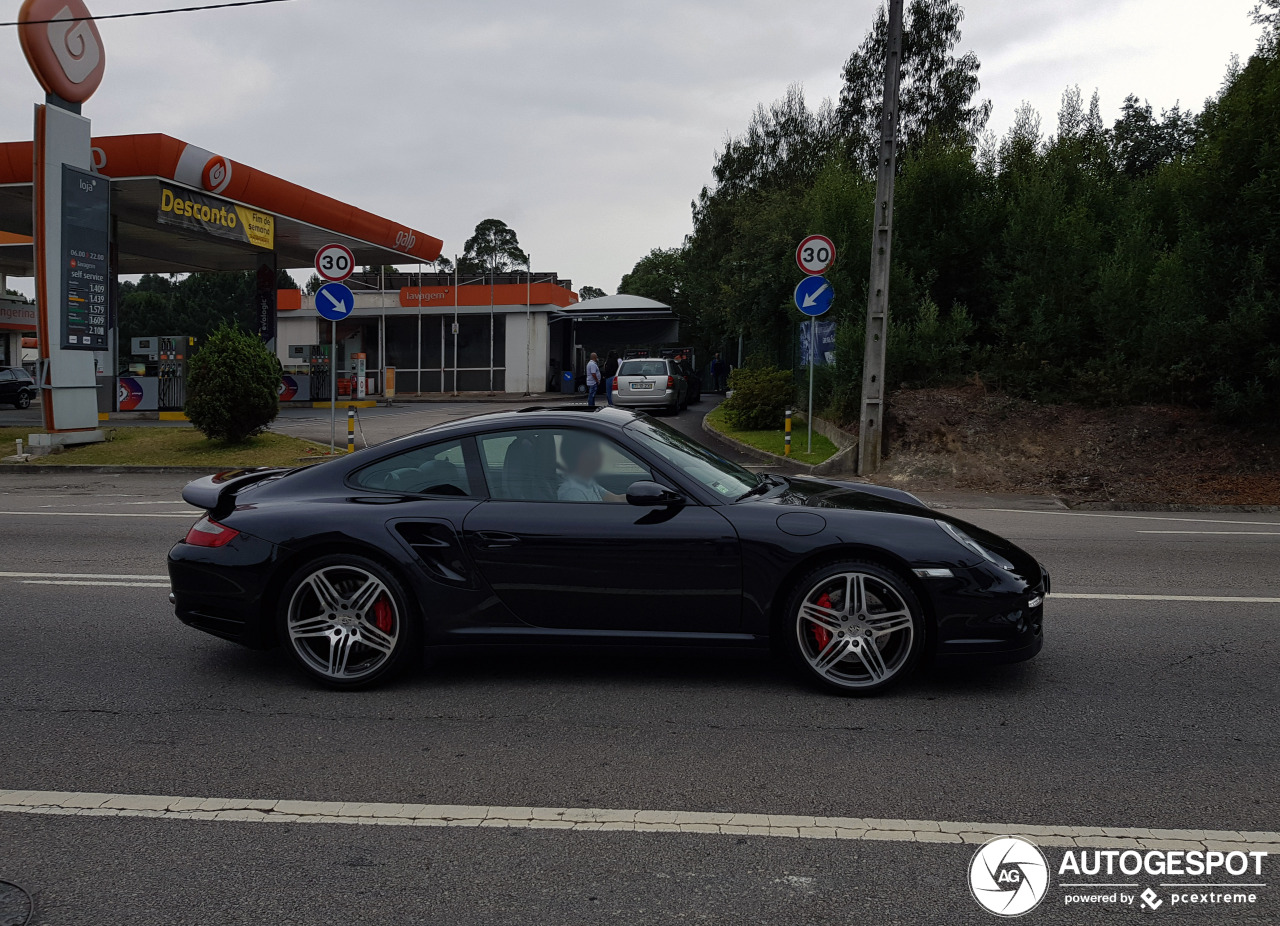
column 973, row 439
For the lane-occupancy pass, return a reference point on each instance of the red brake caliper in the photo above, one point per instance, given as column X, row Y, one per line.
column 821, row 635
column 382, row 615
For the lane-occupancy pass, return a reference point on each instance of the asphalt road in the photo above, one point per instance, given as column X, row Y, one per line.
column 1154, row 712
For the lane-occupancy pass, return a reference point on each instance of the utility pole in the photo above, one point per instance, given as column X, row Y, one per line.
column 871, row 427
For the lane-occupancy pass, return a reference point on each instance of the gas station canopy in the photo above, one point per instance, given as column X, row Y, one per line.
column 177, row 208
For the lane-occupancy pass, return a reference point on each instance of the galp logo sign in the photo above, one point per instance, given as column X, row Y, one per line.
column 63, row 47
column 216, row 174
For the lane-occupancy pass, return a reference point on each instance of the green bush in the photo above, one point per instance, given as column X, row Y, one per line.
column 233, row 384
column 760, row 398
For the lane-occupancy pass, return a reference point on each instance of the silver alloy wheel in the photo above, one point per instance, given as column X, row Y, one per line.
column 855, row 630
column 343, row 622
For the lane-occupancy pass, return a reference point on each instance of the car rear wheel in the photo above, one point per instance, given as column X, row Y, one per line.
column 855, row 628
column 345, row 621
column 24, row 400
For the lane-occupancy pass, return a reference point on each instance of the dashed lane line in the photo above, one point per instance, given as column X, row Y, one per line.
column 103, row 514
column 586, row 819
column 82, row 575
column 1229, row 599
column 1126, row 517
column 1217, row 533
column 95, row 584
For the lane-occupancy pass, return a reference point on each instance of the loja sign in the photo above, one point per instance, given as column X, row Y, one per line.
column 63, row 47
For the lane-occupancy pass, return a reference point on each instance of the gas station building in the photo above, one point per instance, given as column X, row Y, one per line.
column 178, row 208
column 507, row 332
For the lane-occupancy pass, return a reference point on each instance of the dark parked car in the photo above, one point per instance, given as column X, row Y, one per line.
column 592, row 525
column 17, row 388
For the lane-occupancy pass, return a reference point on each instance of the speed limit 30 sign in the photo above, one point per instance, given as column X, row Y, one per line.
column 335, row 262
column 815, row 254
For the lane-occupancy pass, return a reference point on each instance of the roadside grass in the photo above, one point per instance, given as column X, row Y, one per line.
column 773, row 441
column 158, row 446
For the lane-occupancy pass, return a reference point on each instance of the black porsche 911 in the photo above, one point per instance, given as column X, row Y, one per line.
column 580, row 525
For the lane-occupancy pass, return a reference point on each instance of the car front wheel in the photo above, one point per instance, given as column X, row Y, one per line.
column 345, row 621
column 24, row 400
column 855, row 628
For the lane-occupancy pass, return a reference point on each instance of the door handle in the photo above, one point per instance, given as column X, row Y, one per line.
column 495, row 540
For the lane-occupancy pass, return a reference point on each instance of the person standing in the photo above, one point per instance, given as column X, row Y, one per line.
column 610, row 371
column 717, row 374
column 593, row 380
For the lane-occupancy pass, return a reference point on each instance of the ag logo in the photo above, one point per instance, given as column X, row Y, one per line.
column 63, row 47
column 216, row 174
column 1008, row 876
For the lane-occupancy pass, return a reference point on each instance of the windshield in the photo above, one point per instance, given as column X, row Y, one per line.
column 643, row 368
column 694, row 460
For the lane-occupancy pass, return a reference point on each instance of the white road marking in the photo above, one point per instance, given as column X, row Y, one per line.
column 585, row 819
column 1127, row 517
column 1218, row 533
column 1222, row 598
column 103, row 514
column 94, row 584
column 80, row 575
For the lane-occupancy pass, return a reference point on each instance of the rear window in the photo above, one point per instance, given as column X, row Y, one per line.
column 643, row 368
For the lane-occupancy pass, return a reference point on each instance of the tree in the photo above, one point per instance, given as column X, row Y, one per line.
column 591, row 292
column 494, row 248
column 1141, row 143
column 313, row 284
column 233, row 384
column 937, row 87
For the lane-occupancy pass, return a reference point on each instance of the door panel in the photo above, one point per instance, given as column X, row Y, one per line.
column 609, row 566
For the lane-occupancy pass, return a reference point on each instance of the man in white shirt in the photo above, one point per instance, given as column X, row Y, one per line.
column 583, row 457
column 593, row 380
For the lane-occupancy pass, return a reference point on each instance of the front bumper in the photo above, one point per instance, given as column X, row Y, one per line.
column 991, row 618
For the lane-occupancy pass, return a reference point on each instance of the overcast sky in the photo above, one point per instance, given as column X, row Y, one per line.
column 588, row 126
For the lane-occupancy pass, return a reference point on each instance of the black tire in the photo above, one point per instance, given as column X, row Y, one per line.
column 850, row 646
column 319, row 627
column 24, row 400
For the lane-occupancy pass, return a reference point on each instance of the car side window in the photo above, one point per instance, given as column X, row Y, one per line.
column 437, row 469
column 558, row 465
column 6, row 375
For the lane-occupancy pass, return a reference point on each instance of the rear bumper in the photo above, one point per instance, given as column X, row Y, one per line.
column 659, row 398
column 222, row 591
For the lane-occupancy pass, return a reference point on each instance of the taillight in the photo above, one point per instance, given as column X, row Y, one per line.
column 614, row 387
column 209, row 533
column 671, row 382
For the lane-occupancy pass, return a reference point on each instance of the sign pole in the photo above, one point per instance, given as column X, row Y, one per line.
column 333, row 386
column 335, row 301
column 812, row 332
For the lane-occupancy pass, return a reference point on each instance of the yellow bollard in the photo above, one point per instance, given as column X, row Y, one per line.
column 787, row 439
column 351, row 429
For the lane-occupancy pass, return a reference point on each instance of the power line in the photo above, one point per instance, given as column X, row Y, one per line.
column 181, row 9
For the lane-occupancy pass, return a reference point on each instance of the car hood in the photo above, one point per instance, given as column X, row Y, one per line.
column 806, row 492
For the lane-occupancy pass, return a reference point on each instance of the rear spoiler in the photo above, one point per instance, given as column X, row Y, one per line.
column 216, row 493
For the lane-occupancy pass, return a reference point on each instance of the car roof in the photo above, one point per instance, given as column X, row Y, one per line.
column 531, row 416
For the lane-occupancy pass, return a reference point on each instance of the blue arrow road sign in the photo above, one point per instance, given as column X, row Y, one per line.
column 334, row 301
column 814, row 295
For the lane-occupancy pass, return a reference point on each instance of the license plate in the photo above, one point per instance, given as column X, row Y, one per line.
column 642, row 385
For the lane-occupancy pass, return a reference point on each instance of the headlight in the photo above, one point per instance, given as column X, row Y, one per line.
column 973, row 546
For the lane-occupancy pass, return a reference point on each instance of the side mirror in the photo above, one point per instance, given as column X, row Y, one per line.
column 652, row 495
